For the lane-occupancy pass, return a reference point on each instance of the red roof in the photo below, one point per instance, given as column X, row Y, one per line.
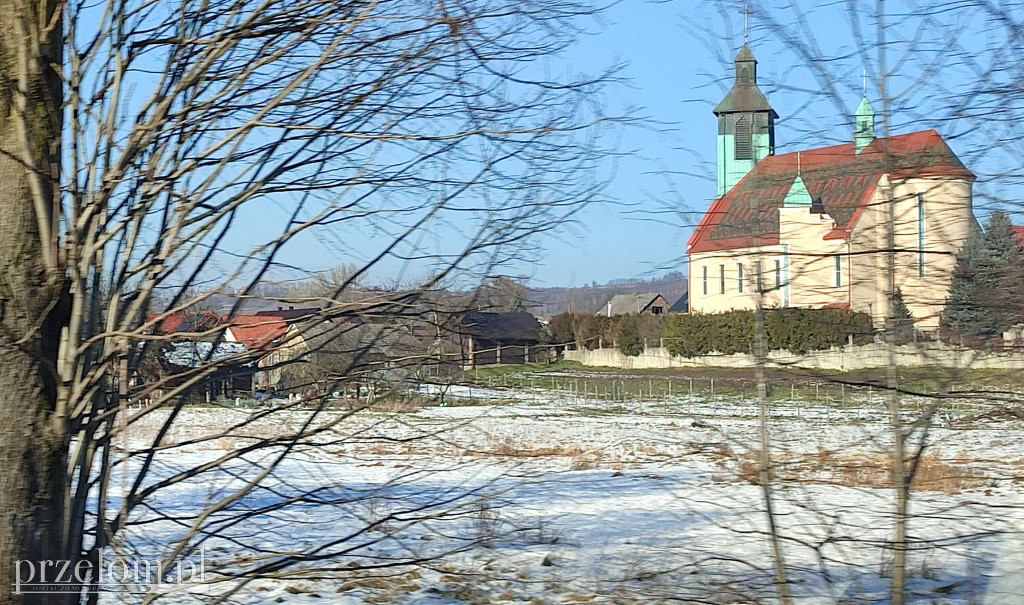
column 184, row 322
column 256, row 331
column 747, row 215
column 1018, row 232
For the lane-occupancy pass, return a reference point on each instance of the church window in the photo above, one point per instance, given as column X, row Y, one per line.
column 705, row 279
column 920, row 235
column 721, row 279
column 757, row 277
column 838, row 261
column 739, row 277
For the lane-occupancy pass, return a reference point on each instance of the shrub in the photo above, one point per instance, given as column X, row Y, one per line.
column 627, row 336
column 798, row 330
column 634, row 332
column 590, row 329
column 560, row 328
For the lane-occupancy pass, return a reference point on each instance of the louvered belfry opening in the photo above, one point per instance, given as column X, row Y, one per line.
column 744, row 147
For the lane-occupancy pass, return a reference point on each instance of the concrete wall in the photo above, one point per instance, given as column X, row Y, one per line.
column 839, row 358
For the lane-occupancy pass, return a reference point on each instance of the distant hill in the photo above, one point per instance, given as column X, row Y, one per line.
column 546, row 302
column 542, row 302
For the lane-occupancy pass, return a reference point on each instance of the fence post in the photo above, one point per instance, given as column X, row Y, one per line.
column 689, row 400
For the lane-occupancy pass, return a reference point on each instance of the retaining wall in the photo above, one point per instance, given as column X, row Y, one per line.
column 871, row 355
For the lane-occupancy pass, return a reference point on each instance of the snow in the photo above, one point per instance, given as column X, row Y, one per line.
column 544, row 495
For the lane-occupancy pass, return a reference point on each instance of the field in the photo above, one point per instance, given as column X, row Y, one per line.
column 573, row 486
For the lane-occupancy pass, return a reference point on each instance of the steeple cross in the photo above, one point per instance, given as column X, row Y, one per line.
column 746, row 13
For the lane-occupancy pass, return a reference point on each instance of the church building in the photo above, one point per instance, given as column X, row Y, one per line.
column 807, row 228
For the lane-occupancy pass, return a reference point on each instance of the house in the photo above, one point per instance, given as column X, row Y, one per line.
column 637, row 303
column 279, row 342
column 496, row 338
column 807, row 228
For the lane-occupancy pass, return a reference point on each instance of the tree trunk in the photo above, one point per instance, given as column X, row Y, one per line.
column 33, row 448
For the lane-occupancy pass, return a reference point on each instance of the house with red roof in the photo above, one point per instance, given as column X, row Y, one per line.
column 807, row 228
column 273, row 335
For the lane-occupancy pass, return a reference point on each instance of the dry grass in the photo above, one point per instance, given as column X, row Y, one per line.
column 858, row 469
column 582, row 458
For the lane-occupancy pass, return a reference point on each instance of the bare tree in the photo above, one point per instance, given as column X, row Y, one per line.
column 147, row 150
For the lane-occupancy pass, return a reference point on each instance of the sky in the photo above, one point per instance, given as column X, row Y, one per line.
column 677, row 58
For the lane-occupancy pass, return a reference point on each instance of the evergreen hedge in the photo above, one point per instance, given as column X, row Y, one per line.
column 798, row 330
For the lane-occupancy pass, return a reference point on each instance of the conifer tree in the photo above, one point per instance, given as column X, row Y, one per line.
column 985, row 290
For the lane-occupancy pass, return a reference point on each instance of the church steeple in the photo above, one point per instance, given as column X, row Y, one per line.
column 865, row 119
column 746, row 124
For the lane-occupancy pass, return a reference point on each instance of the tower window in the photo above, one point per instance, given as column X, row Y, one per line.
column 739, row 277
column 744, row 149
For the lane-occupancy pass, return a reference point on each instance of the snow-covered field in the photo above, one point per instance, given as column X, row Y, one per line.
column 542, row 497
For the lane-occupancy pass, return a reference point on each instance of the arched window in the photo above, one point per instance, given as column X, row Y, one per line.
column 744, row 149
column 745, row 75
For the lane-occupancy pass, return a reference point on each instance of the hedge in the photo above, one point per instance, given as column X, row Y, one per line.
column 798, row 330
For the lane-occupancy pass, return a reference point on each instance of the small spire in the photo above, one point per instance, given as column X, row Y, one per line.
column 864, row 119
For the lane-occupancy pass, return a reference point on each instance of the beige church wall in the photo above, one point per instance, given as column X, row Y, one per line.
column 812, row 258
column 867, row 265
column 947, row 220
column 717, row 302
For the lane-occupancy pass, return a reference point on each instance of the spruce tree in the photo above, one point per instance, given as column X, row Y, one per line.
column 985, row 293
column 903, row 320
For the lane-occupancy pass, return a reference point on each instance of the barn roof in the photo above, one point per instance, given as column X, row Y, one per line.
column 747, row 215
column 682, row 304
column 623, row 304
column 256, row 331
column 521, row 328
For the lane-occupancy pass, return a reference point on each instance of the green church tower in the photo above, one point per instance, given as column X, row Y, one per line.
column 746, row 124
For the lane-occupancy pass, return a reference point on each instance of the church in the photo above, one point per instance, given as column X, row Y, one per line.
column 807, row 228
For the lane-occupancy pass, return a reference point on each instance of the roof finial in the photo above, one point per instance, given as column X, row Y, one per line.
column 746, row 13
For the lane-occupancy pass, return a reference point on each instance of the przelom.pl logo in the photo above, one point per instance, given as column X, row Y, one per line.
column 112, row 574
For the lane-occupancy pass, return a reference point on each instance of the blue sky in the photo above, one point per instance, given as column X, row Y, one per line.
column 677, row 58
